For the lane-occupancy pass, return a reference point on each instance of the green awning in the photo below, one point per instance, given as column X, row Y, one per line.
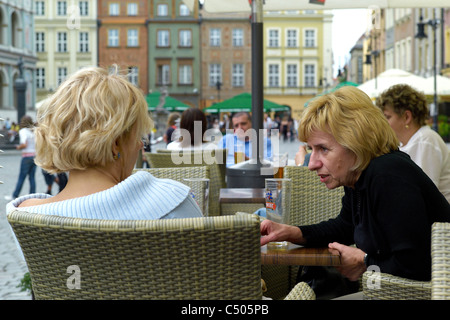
column 243, row 102
column 171, row 104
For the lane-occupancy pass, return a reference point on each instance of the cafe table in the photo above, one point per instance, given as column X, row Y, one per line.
column 248, row 200
column 300, row 256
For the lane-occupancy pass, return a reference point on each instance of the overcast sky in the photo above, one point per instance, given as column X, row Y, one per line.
column 348, row 26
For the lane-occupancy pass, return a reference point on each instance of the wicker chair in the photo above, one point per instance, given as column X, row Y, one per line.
column 213, row 159
column 440, row 253
column 178, row 174
column 383, row 286
column 311, row 202
column 195, row 258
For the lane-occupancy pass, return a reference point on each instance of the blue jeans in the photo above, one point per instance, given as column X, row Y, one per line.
column 27, row 167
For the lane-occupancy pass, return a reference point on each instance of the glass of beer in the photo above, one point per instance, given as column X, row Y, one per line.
column 279, row 162
column 239, row 153
column 278, row 203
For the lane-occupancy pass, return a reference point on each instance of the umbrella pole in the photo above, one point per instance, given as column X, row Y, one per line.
column 257, row 78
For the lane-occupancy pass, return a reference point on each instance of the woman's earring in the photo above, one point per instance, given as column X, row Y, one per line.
column 407, row 127
column 115, row 157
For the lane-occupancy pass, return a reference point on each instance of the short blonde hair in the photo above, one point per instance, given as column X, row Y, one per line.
column 354, row 121
column 78, row 124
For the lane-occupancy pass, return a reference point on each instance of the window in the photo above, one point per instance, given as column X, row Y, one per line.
column 114, row 9
column 84, row 8
column 113, row 38
column 62, row 42
column 291, row 75
column 310, row 38
column 163, row 74
column 39, row 7
column 237, row 76
column 310, row 75
column 61, row 9
column 40, row 42
column 274, row 75
column 291, row 38
column 84, row 42
column 163, row 38
column 62, row 74
column 133, row 75
column 214, row 37
column 274, row 38
column 215, row 74
column 162, row 10
column 132, row 9
column 40, row 78
column 185, row 74
column 184, row 10
column 185, row 38
column 238, row 37
column 132, row 38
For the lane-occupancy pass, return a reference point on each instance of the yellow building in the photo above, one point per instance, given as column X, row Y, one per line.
column 297, row 56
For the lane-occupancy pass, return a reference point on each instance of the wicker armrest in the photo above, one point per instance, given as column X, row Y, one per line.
column 301, row 291
column 384, row 286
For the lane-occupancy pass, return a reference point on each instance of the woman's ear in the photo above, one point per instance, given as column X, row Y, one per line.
column 116, row 147
column 408, row 117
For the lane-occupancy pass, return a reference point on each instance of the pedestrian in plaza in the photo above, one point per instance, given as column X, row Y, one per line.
column 92, row 128
column 27, row 165
column 406, row 110
column 389, row 203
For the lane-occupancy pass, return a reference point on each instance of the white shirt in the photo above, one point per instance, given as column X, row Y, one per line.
column 429, row 151
column 26, row 136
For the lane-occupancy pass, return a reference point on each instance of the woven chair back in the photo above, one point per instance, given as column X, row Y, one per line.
column 311, row 201
column 194, row 258
column 213, row 159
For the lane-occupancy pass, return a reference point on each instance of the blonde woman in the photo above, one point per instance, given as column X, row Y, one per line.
column 92, row 128
column 389, row 203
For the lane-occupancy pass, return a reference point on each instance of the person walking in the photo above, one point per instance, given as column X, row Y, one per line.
column 27, row 165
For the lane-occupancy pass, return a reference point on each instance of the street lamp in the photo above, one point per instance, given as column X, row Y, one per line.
column 421, row 35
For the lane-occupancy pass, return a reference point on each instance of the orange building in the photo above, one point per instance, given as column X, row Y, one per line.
column 123, row 38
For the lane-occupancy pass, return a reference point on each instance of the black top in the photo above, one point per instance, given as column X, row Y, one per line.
column 388, row 215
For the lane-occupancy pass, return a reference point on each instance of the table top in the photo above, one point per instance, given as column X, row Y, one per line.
column 242, row 195
column 300, row 256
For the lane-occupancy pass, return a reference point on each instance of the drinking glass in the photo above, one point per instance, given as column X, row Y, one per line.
column 278, row 202
column 279, row 162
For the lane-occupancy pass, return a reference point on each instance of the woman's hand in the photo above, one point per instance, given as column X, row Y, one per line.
column 272, row 231
column 300, row 155
column 352, row 261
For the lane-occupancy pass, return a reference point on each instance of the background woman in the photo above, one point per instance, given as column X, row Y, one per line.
column 193, row 125
column 407, row 112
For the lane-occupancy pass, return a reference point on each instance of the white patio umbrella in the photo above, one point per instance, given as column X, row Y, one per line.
column 442, row 86
column 389, row 78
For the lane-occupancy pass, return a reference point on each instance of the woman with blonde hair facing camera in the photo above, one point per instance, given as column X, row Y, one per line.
column 389, row 203
column 407, row 112
column 92, row 127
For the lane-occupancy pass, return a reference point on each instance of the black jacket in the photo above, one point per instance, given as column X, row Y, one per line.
column 388, row 215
